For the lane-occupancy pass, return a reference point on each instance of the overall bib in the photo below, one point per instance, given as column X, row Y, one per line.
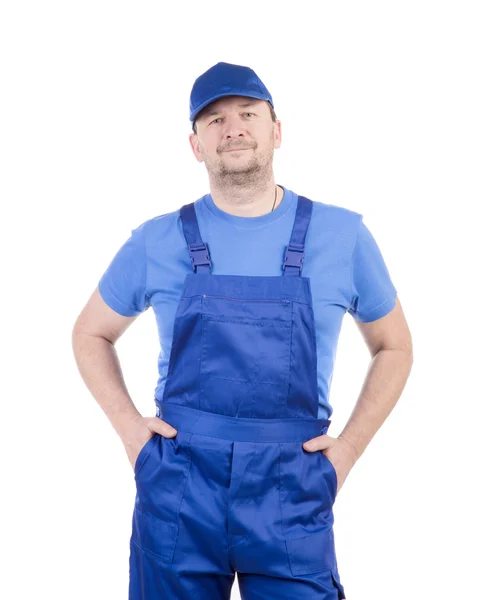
column 234, row 491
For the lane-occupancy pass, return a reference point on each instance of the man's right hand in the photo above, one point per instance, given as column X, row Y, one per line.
column 140, row 431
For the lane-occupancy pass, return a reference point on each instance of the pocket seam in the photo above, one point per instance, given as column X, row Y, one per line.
column 144, row 518
column 334, row 472
column 139, row 463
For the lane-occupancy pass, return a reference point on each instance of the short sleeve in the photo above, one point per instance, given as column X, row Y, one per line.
column 123, row 284
column 374, row 294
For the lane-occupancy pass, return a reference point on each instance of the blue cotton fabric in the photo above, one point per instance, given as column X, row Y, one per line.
column 242, row 383
column 342, row 259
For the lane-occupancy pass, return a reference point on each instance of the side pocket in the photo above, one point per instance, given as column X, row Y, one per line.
column 154, row 535
column 315, row 553
column 144, row 453
column 332, row 471
column 312, row 553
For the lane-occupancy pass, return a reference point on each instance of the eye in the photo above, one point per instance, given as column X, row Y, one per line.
column 218, row 118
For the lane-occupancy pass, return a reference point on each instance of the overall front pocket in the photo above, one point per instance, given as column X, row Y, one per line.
column 144, row 453
column 160, row 486
column 307, row 490
column 332, row 470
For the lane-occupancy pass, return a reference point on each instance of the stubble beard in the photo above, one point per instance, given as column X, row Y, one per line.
column 228, row 174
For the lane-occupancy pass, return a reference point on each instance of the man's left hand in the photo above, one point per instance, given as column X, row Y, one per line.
column 341, row 454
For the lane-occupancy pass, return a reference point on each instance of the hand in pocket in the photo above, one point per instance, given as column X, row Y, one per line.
column 337, row 451
column 140, row 431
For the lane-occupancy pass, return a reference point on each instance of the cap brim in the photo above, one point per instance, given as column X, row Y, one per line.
column 222, row 95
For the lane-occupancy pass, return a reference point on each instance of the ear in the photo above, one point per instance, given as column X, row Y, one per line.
column 277, row 134
column 195, row 146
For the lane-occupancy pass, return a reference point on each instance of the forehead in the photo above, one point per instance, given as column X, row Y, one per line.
column 227, row 102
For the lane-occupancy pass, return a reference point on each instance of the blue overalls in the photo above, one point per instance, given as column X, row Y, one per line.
column 234, row 491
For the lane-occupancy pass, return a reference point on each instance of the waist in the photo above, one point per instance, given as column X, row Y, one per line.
column 240, row 429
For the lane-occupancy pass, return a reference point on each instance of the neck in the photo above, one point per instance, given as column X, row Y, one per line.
column 248, row 201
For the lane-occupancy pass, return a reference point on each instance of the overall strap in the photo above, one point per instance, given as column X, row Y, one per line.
column 294, row 254
column 199, row 251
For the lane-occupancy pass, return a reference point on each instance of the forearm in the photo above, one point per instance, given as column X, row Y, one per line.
column 99, row 366
column 383, row 385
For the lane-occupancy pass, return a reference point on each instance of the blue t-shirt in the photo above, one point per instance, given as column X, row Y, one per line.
column 346, row 269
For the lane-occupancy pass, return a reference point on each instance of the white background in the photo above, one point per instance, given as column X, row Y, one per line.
column 381, row 111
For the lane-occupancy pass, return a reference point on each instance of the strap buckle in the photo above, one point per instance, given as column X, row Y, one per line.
column 294, row 256
column 199, row 254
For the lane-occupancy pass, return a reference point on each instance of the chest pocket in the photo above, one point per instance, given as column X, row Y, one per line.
column 245, row 355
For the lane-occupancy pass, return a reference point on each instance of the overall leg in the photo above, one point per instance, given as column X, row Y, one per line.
column 283, row 520
column 319, row 586
column 178, row 547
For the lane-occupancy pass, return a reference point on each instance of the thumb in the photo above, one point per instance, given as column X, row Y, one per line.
column 321, row 442
column 162, row 427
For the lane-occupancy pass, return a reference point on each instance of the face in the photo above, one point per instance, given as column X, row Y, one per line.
column 236, row 138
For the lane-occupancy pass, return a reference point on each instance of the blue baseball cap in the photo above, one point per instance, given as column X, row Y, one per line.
column 226, row 79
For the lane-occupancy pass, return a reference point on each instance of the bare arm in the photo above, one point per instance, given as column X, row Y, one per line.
column 390, row 344
column 94, row 335
column 95, row 332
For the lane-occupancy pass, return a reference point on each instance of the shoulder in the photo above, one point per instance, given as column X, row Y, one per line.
column 337, row 221
column 161, row 228
column 336, row 213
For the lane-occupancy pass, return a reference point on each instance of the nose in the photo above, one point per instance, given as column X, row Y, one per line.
column 234, row 127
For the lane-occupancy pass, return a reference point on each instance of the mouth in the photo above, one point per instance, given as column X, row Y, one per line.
column 236, row 149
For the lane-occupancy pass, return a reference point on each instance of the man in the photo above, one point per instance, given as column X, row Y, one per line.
column 249, row 285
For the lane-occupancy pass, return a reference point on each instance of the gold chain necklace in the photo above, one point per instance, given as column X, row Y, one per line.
column 275, row 199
